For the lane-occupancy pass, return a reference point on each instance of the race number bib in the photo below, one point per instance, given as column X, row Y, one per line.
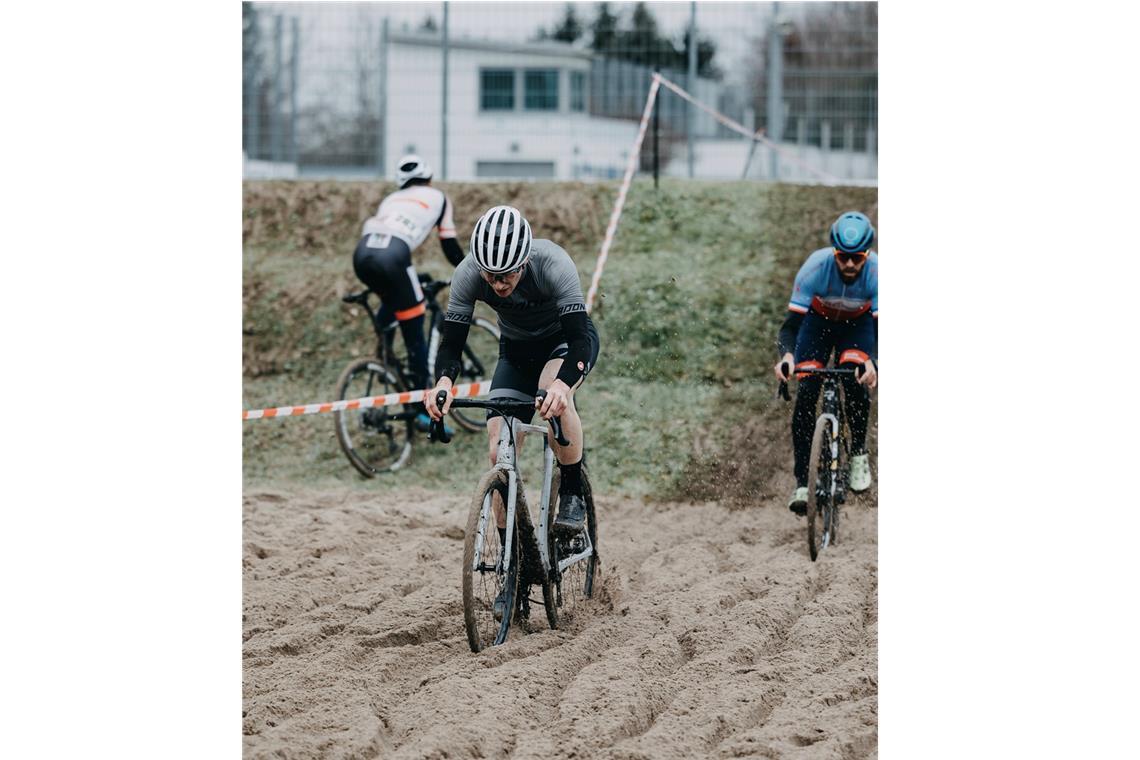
column 401, row 224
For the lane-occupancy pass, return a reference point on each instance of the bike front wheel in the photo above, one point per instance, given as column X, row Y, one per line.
column 480, row 356
column 822, row 517
column 487, row 576
column 374, row 440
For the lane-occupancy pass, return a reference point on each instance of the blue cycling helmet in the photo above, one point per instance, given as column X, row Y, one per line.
column 852, row 232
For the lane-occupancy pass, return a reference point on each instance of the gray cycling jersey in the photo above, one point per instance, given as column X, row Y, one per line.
column 548, row 289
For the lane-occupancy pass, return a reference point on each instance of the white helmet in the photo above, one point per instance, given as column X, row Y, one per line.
column 411, row 167
column 501, row 240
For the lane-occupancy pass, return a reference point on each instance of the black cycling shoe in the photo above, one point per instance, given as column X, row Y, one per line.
column 571, row 515
column 500, row 604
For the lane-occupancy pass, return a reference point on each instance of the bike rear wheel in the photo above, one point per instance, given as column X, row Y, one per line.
column 820, row 509
column 574, row 585
column 374, row 440
column 480, row 355
column 484, row 578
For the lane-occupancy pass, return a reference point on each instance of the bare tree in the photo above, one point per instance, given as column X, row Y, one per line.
column 346, row 133
column 830, row 65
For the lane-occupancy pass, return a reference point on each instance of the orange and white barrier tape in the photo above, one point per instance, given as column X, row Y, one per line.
column 631, row 165
column 757, row 135
column 465, row 390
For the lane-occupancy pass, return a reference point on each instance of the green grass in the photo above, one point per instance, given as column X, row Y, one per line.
column 693, row 293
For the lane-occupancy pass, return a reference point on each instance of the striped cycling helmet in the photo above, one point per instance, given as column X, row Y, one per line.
column 852, row 233
column 501, row 240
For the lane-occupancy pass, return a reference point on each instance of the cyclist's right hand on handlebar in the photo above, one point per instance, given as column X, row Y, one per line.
column 867, row 375
column 433, row 410
column 783, row 367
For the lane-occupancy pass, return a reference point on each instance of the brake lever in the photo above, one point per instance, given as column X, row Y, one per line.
column 555, row 423
column 437, row 431
column 782, row 391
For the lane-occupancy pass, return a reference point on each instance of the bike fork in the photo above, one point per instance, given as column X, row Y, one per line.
column 487, row 520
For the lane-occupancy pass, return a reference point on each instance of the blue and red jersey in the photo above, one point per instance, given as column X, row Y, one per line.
column 819, row 288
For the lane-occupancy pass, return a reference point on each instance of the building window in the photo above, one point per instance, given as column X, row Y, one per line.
column 515, row 169
column 541, row 89
column 577, row 91
column 497, row 89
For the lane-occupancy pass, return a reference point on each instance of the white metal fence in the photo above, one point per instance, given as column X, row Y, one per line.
column 519, row 90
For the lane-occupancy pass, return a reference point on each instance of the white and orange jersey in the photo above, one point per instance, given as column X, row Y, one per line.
column 409, row 214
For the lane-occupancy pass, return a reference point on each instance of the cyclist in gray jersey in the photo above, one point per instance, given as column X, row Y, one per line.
column 549, row 289
column 548, row 340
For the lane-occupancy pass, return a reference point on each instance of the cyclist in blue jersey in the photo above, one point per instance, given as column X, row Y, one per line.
column 383, row 257
column 834, row 308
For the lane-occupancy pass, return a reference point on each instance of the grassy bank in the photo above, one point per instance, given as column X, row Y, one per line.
column 693, row 293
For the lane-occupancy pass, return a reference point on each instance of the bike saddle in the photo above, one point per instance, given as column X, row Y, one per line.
column 431, row 289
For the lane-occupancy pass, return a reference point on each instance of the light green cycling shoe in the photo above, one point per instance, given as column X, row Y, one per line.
column 798, row 502
column 859, row 474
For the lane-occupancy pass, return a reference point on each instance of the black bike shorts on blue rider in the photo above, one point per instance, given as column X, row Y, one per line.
column 384, row 264
column 853, row 341
column 521, row 363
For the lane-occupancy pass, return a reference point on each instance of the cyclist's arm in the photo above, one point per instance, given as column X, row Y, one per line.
column 454, row 338
column 803, row 289
column 786, row 341
column 446, row 226
column 575, row 326
column 560, row 278
column 456, row 320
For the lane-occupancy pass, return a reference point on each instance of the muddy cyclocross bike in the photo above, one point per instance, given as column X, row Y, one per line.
column 830, row 455
column 504, row 555
column 378, row 440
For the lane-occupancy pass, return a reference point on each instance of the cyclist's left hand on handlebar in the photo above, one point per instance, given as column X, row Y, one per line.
column 783, row 367
column 557, row 398
column 434, row 411
column 868, row 377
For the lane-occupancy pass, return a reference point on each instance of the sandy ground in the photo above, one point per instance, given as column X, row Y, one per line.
column 713, row 635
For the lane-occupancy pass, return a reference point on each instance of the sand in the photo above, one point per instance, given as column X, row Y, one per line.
column 712, row 635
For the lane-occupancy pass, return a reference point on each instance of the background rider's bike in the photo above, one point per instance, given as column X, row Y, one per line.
column 830, row 455
column 378, row 440
column 501, row 564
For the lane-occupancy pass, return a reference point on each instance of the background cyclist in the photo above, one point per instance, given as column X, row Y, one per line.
column 834, row 307
column 548, row 341
column 383, row 257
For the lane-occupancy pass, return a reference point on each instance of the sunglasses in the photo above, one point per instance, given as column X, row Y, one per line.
column 850, row 258
column 504, row 277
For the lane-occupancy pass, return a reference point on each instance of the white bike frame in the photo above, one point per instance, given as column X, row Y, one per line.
column 506, row 461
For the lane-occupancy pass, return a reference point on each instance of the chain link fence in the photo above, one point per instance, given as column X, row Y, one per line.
column 549, row 91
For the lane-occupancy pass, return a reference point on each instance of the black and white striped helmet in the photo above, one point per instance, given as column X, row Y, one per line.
column 411, row 167
column 501, row 240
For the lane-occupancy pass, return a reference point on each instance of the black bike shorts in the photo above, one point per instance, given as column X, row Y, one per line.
column 521, row 363
column 384, row 264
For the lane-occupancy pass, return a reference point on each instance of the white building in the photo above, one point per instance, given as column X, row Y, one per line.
column 531, row 111
column 513, row 111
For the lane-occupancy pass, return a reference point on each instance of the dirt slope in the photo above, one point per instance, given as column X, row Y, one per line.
column 713, row 636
